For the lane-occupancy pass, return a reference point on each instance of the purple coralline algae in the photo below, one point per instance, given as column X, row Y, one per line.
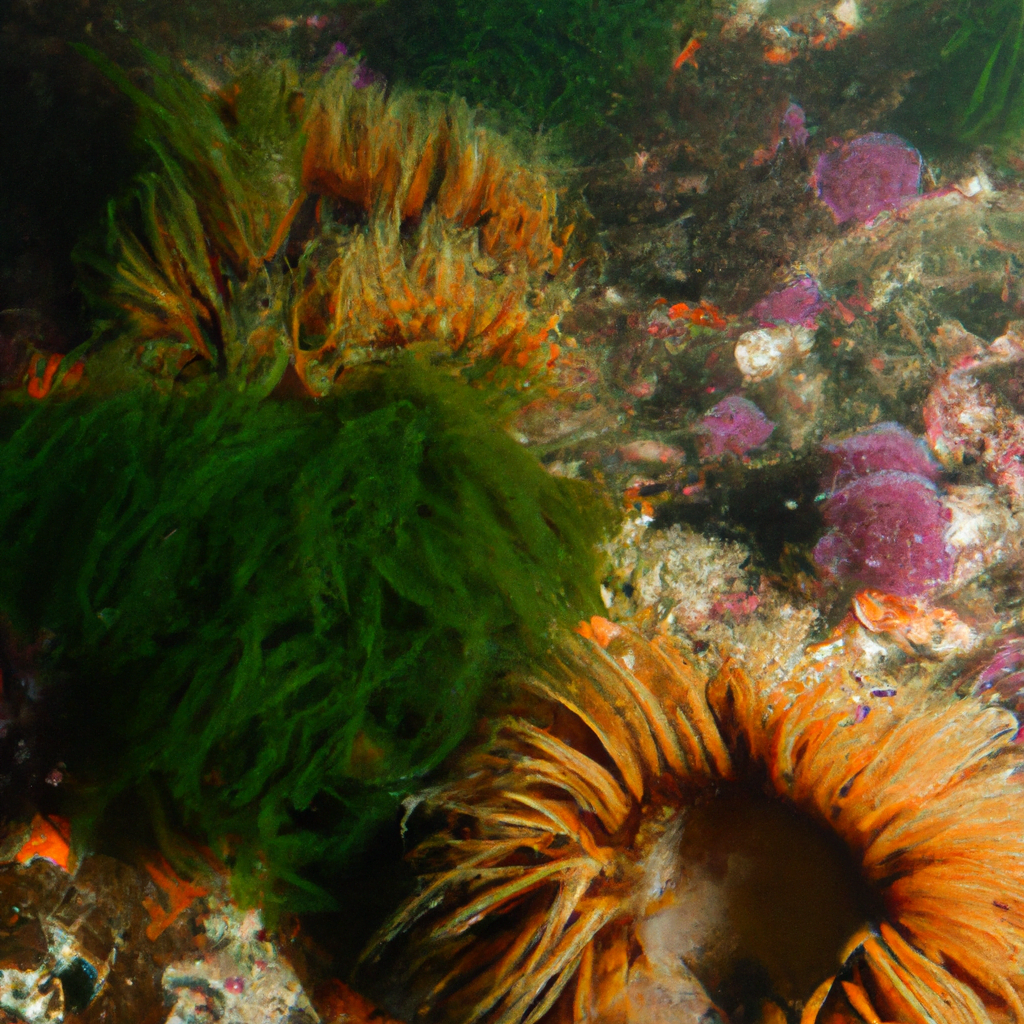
column 1005, row 672
column 887, row 446
column 798, row 303
column 867, row 175
column 364, row 76
column 794, row 125
column 887, row 532
column 734, row 425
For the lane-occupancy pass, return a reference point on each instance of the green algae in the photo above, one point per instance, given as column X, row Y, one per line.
column 282, row 615
column 586, row 65
column 968, row 83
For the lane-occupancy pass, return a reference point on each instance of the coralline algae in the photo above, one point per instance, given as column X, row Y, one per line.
column 886, row 517
column 794, row 125
column 734, row 425
column 867, row 175
column 887, row 533
column 887, row 446
column 798, row 304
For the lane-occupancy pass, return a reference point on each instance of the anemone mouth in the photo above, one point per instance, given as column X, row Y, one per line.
column 647, row 846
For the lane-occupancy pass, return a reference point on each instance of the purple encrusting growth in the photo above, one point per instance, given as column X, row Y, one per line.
column 794, row 125
column 363, row 76
column 734, row 425
column 887, row 532
column 1005, row 672
column 871, row 173
column 887, row 446
column 798, row 303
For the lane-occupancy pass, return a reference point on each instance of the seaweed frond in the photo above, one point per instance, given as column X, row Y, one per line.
column 286, row 616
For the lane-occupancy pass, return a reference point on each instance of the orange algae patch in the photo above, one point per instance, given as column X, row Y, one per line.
column 780, row 55
column 50, row 838
column 179, row 895
column 640, row 763
column 704, row 314
column 688, row 55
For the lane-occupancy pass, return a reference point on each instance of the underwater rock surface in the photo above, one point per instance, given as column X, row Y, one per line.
column 698, row 344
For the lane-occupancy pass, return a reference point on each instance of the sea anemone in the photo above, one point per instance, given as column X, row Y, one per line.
column 314, row 222
column 645, row 846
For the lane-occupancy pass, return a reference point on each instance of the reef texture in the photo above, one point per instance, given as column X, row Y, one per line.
column 972, row 414
column 753, row 236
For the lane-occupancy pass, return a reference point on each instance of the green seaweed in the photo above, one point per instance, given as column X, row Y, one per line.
column 969, row 62
column 282, row 614
column 990, row 103
column 590, row 65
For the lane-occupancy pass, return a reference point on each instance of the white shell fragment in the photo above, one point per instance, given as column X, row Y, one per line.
column 764, row 352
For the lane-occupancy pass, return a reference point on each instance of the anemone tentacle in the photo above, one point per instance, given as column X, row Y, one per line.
column 568, row 844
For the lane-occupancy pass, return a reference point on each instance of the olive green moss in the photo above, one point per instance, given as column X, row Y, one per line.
column 282, row 614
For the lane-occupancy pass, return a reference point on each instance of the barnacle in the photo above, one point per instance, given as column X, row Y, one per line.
column 306, row 221
column 566, row 885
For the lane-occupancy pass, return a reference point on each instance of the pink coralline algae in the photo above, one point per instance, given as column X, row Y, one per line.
column 794, row 125
column 886, row 516
column 867, row 175
column 798, row 303
column 1004, row 673
column 887, row 446
column 734, row 425
column 887, row 532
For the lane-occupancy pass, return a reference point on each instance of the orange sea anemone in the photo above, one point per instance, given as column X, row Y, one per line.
column 300, row 220
column 643, row 846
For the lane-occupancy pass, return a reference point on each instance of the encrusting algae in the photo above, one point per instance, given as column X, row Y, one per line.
column 314, row 223
column 569, row 884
